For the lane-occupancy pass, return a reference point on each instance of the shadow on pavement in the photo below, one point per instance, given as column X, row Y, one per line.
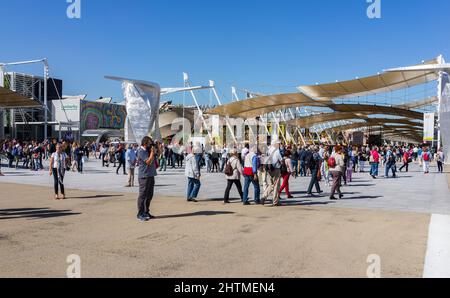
column 304, row 203
column 361, row 198
column 34, row 213
column 199, row 213
column 94, row 197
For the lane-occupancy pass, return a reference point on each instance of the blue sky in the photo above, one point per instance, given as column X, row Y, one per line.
column 265, row 46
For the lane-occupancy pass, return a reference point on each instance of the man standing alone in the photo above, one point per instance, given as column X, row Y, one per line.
column 147, row 173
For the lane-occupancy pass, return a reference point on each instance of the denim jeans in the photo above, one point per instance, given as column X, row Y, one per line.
column 314, row 181
column 250, row 180
column 37, row 165
column 303, row 168
column 163, row 164
column 374, row 169
column 295, row 166
column 208, row 164
column 193, row 188
column 389, row 166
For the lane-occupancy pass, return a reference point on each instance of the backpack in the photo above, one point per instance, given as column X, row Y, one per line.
column 15, row 151
column 331, row 162
column 391, row 158
column 229, row 171
column 426, row 157
column 284, row 168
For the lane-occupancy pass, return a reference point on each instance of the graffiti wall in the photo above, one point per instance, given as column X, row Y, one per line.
column 96, row 115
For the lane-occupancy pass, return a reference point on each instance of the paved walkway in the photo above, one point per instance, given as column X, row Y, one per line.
column 413, row 191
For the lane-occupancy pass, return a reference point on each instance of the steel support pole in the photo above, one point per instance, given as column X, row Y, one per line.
column 46, row 77
column 2, row 80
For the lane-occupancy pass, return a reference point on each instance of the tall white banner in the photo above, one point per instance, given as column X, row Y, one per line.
column 445, row 115
column 428, row 127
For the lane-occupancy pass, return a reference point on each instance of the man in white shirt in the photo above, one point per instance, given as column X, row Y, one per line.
column 274, row 174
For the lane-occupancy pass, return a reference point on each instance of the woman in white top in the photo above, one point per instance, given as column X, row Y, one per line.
column 57, row 170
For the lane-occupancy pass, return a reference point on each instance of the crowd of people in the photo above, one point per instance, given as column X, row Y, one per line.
column 269, row 173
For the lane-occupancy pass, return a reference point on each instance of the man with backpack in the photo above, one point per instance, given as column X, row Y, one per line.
column 391, row 161
column 302, row 158
column 314, row 166
column 426, row 156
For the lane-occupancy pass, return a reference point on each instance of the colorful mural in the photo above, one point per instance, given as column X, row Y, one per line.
column 96, row 115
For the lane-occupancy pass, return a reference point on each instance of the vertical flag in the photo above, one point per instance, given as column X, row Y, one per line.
column 428, row 127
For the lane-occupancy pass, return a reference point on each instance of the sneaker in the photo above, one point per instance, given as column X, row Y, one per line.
column 142, row 218
column 192, row 200
column 333, row 198
column 290, row 197
column 247, row 204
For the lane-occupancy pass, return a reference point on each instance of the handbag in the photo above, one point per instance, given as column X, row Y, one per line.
column 319, row 176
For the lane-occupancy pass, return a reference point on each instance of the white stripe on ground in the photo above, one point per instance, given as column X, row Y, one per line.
column 437, row 262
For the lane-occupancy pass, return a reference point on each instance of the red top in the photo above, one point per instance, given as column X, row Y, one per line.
column 376, row 156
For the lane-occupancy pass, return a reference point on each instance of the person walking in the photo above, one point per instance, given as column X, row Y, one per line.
column 374, row 162
column 337, row 165
column 440, row 158
column 294, row 160
column 233, row 171
column 426, row 157
column 112, row 154
column 58, row 164
column 208, row 161
column 120, row 153
column 215, row 160
column 251, row 165
column 193, row 174
column 362, row 160
column 146, row 160
column 223, row 158
column 37, row 157
column 163, row 158
column 302, row 159
column 315, row 166
column 406, row 159
column 286, row 171
column 104, row 155
column 131, row 160
column 273, row 168
column 79, row 154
